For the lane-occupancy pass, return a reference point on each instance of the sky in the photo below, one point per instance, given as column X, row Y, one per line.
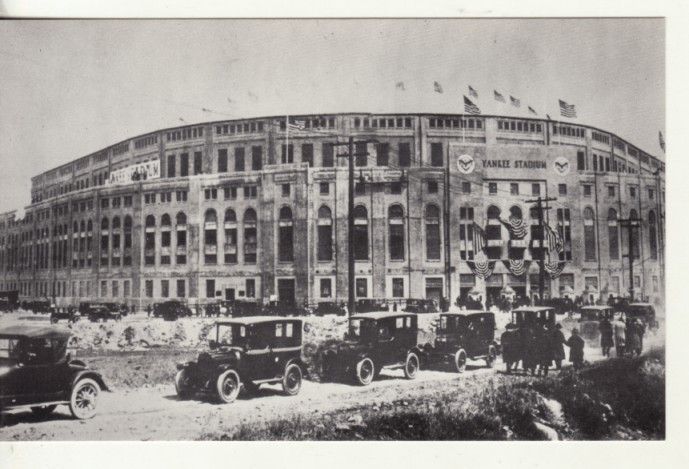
column 70, row 88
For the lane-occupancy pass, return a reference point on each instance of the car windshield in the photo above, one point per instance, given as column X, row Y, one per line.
column 232, row 335
column 452, row 324
column 9, row 350
column 362, row 329
column 638, row 311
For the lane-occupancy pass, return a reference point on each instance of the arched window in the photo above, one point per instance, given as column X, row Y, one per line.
column 493, row 231
column 516, row 212
column 432, row 219
column 150, row 240
column 181, row 234
column 360, row 233
column 396, row 232
column 285, row 236
column 613, row 235
column 116, row 224
column 165, row 220
column 250, row 236
column 75, row 227
column 652, row 234
column 165, row 238
column 325, row 234
column 230, row 237
column 127, row 258
column 181, row 219
column 150, row 221
column 116, row 239
column 104, row 224
column 633, row 214
column 210, row 237
column 589, row 235
column 89, row 226
column 104, row 242
column 82, row 226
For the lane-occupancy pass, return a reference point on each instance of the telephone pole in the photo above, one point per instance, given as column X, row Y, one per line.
column 630, row 224
column 541, row 257
column 350, row 143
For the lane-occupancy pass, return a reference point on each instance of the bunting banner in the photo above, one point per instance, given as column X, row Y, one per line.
column 481, row 266
column 517, row 267
column 515, row 226
column 554, row 268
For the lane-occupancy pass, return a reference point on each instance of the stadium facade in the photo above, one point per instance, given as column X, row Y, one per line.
column 256, row 209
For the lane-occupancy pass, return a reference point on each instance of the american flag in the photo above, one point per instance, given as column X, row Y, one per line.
column 554, row 239
column 472, row 92
column 532, row 111
column 661, row 140
column 470, row 108
column 437, row 88
column 567, row 110
column 297, row 125
column 515, row 102
column 498, row 96
column 479, row 238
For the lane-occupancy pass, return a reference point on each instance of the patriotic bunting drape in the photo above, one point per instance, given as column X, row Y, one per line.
column 517, row 267
column 515, row 226
column 554, row 268
column 481, row 266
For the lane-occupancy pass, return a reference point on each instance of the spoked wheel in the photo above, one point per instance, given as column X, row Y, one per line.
column 228, row 386
column 82, row 403
column 460, row 361
column 291, row 382
column 492, row 356
column 43, row 411
column 182, row 384
column 411, row 366
column 365, row 370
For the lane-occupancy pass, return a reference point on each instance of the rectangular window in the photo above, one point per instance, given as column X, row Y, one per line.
column 286, row 190
column 632, row 192
column 651, row 194
column 198, row 162
column 239, row 159
column 581, row 161
column 328, row 155
column 250, row 192
column 210, row 288
column 250, row 287
column 361, row 288
column 230, row 193
column 587, row 190
column 222, row 160
column 432, row 187
column 181, row 288
column 256, row 158
column 404, row 154
column 466, row 187
column 562, row 189
column 184, row 164
column 361, row 154
column 611, row 191
column 535, row 189
column 395, row 187
column 326, row 288
column 382, row 154
column 103, row 288
column 126, row 289
column 398, row 287
column 149, row 288
column 492, row 188
column 165, row 288
column 307, row 154
column 287, row 156
column 324, row 188
column 437, row 154
column 514, row 188
column 170, row 166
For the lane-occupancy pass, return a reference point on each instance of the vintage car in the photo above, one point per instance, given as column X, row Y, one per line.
column 370, row 305
column 374, row 341
column 36, row 371
column 590, row 318
column 171, row 310
column 242, row 308
column 245, row 353
column 284, row 308
column 643, row 311
column 470, row 334
column 220, row 307
column 37, row 306
column 68, row 314
column 421, row 306
column 97, row 313
column 329, row 307
column 525, row 316
column 9, row 300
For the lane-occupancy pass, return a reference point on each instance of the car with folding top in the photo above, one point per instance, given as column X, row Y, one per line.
column 462, row 336
column 374, row 341
column 527, row 316
column 244, row 354
column 37, row 372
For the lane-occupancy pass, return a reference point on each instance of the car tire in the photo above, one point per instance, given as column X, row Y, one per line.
column 228, row 386
column 491, row 358
column 291, row 381
column 460, row 361
column 43, row 411
column 182, row 384
column 84, row 399
column 365, row 371
column 411, row 366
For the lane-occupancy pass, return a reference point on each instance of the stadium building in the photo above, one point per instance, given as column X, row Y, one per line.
column 256, row 209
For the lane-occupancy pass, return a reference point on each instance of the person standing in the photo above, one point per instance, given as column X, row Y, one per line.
column 510, row 347
column 557, row 344
column 606, row 342
column 545, row 350
column 576, row 349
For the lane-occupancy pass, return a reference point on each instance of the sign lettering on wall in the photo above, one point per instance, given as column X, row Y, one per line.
column 138, row 172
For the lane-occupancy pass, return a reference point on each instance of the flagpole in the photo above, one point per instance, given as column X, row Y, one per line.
column 287, row 138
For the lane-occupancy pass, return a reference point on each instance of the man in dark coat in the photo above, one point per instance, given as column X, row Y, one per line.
column 545, row 350
column 557, row 345
column 511, row 347
column 530, row 348
column 576, row 349
column 606, row 342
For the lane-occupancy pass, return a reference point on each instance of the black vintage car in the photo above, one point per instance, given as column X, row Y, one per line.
column 375, row 341
column 421, row 306
column 590, row 318
column 67, row 313
column 645, row 312
column 38, row 306
column 461, row 336
column 97, row 313
column 526, row 316
column 9, row 300
column 370, row 305
column 37, row 372
column 245, row 353
column 171, row 310
column 330, row 307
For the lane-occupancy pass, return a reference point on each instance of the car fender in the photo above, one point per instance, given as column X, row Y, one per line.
column 94, row 375
column 304, row 367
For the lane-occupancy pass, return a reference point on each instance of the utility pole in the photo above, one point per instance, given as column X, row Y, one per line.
column 630, row 224
column 350, row 216
column 541, row 258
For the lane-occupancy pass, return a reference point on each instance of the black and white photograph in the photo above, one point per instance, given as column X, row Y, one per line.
column 318, row 229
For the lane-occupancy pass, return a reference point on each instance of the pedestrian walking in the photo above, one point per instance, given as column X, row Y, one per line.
column 557, row 344
column 606, row 341
column 545, row 350
column 530, row 349
column 511, row 347
column 576, row 349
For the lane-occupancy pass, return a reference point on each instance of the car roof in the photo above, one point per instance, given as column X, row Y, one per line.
column 35, row 332
column 596, row 307
column 247, row 320
column 467, row 312
column 532, row 308
column 639, row 304
column 382, row 315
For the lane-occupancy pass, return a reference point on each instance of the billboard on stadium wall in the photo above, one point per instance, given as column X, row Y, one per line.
column 134, row 173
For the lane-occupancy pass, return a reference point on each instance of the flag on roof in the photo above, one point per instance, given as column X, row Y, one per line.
column 532, row 111
column 661, row 140
column 437, row 88
column 400, row 85
column 498, row 96
column 472, row 92
column 297, row 125
column 515, row 102
column 567, row 110
column 470, row 108
column 548, row 117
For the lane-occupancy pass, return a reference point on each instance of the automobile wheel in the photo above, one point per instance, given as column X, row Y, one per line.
column 43, row 411
column 228, row 386
column 492, row 355
column 82, row 402
column 460, row 361
column 365, row 371
column 411, row 366
column 291, row 382
column 182, row 384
